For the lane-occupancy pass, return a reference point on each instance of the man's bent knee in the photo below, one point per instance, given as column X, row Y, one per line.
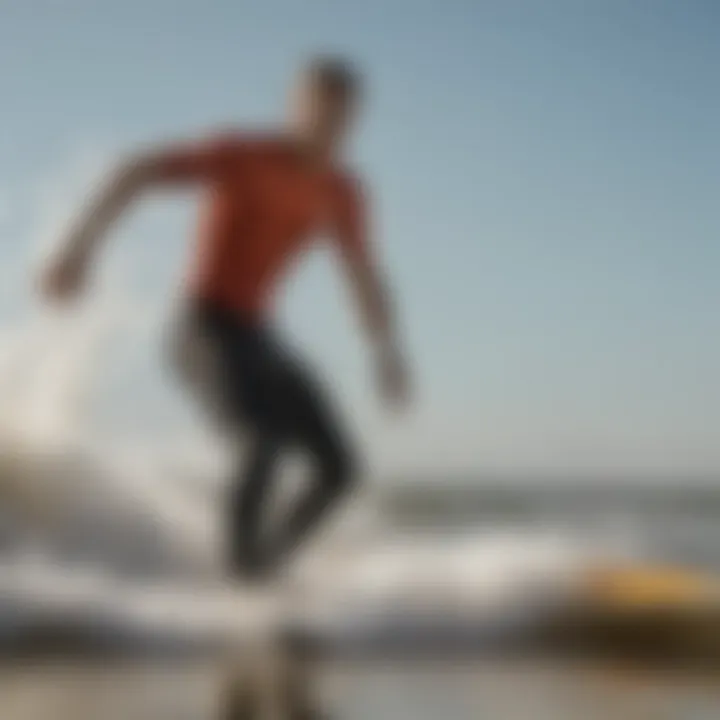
column 339, row 469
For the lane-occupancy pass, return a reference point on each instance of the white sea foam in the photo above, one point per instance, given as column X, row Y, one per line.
column 79, row 504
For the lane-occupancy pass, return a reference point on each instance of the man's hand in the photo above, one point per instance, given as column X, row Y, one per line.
column 393, row 379
column 65, row 277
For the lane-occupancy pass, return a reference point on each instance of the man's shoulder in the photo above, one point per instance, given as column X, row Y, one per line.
column 243, row 140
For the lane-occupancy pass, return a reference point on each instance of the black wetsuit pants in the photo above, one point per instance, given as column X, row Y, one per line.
column 267, row 401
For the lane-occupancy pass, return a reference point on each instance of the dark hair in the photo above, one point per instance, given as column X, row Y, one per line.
column 335, row 75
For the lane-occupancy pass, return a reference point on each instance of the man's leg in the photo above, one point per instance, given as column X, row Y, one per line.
column 250, row 489
column 219, row 362
column 331, row 479
column 318, row 434
column 293, row 413
column 266, row 402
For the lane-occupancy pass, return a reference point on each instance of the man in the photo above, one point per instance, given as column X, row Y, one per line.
column 266, row 196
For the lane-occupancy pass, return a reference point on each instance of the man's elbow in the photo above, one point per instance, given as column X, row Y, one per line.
column 375, row 297
column 134, row 175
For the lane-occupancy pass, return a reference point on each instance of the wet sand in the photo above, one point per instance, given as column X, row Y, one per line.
column 61, row 690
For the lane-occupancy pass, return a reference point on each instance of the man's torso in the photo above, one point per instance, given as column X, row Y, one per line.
column 262, row 207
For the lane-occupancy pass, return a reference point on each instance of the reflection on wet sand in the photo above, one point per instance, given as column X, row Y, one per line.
column 421, row 691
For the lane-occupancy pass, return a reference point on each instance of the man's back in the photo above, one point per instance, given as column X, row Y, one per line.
column 264, row 203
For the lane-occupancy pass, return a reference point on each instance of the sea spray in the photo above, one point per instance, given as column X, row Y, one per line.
column 56, row 473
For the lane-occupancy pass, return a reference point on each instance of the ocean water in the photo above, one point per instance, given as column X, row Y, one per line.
column 85, row 525
column 671, row 519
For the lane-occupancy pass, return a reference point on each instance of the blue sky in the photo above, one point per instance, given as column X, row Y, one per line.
column 544, row 178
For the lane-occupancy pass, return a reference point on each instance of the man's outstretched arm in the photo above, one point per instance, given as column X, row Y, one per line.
column 66, row 274
column 372, row 293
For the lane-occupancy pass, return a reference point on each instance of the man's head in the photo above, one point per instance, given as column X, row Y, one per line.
column 325, row 101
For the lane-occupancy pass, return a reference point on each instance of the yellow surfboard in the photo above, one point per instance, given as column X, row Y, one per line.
column 637, row 588
column 649, row 613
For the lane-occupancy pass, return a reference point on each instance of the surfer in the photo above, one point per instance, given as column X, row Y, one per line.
column 266, row 196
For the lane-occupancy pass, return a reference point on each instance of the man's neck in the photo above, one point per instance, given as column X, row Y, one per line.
column 313, row 152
